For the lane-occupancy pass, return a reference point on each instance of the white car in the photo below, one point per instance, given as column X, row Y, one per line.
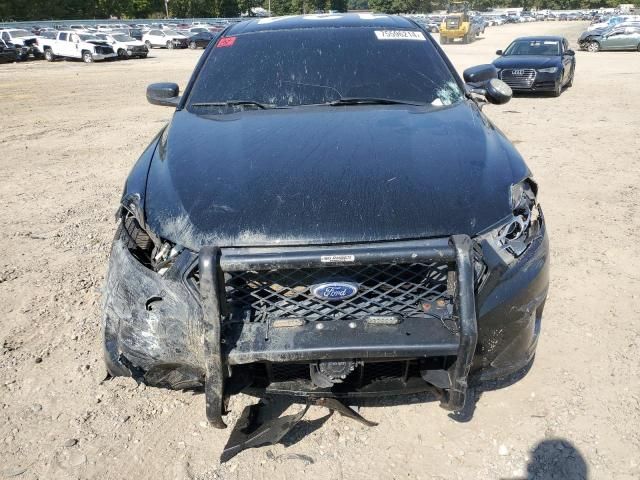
column 71, row 44
column 21, row 38
column 165, row 39
column 124, row 45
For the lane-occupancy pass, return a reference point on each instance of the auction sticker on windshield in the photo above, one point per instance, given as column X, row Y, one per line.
column 400, row 35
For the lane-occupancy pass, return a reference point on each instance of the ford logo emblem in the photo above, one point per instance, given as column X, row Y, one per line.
column 334, row 291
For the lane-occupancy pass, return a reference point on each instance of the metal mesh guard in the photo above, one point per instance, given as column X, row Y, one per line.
column 391, row 289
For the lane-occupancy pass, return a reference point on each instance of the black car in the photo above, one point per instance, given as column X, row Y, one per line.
column 8, row 52
column 328, row 214
column 201, row 40
column 537, row 64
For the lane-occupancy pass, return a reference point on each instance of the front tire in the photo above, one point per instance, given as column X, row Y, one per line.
column 87, row 57
column 593, row 47
column 48, row 55
column 170, row 45
column 122, row 54
column 148, row 44
column 557, row 90
column 192, row 45
column 573, row 73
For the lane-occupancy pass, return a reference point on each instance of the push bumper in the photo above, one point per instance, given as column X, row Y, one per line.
column 161, row 332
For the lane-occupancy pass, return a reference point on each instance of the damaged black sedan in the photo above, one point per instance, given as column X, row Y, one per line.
column 328, row 214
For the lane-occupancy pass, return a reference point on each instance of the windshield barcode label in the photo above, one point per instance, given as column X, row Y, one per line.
column 400, row 35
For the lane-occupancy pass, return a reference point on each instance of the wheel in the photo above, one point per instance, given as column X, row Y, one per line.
column 122, row 53
column 170, row 44
column 443, row 40
column 557, row 90
column 144, row 55
column 593, row 47
column 570, row 82
column 148, row 44
column 639, row 47
column 465, row 39
column 48, row 54
column 192, row 45
column 87, row 57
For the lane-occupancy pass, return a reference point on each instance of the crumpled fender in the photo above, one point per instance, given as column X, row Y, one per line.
column 152, row 325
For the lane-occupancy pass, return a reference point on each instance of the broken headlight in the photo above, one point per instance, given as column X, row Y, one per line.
column 512, row 238
column 148, row 249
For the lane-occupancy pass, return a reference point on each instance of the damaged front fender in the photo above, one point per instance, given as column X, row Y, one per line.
column 152, row 326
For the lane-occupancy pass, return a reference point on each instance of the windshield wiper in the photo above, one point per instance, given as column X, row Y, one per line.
column 234, row 103
column 371, row 101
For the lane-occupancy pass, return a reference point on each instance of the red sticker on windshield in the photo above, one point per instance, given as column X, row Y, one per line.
column 226, row 42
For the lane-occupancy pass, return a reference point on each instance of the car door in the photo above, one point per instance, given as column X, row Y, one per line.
column 155, row 37
column 614, row 40
column 630, row 38
column 73, row 46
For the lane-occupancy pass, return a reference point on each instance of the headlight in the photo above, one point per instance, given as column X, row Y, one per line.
column 513, row 236
column 548, row 70
column 153, row 252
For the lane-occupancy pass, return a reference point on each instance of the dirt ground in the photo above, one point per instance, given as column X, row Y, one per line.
column 70, row 134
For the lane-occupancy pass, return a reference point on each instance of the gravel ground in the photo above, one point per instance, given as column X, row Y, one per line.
column 71, row 133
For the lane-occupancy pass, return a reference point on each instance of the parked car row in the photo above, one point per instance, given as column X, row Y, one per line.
column 100, row 42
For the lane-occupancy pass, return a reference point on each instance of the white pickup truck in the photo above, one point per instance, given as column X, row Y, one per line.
column 70, row 44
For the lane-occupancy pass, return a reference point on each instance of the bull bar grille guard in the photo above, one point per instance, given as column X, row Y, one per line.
column 215, row 261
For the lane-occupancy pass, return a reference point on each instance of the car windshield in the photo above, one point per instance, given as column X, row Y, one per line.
column 122, row 38
column 20, row 33
column 198, row 30
column 287, row 68
column 534, row 47
column 87, row 38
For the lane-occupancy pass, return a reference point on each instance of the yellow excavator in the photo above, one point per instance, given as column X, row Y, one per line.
column 457, row 24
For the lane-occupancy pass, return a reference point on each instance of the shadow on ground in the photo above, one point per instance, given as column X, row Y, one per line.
column 555, row 459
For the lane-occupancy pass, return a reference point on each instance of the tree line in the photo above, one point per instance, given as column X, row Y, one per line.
column 86, row 9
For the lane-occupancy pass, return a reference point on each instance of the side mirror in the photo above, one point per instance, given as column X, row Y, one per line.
column 497, row 92
column 570, row 53
column 480, row 74
column 499, row 52
column 164, row 94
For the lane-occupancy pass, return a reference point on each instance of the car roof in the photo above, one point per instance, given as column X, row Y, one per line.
column 337, row 20
column 541, row 38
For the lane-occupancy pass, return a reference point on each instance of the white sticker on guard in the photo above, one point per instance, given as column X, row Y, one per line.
column 337, row 258
column 400, row 35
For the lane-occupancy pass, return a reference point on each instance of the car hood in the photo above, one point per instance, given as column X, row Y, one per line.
column 320, row 175
column 590, row 33
column 526, row 61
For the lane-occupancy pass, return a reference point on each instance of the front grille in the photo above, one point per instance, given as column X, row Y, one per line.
column 518, row 77
column 386, row 289
column 103, row 50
